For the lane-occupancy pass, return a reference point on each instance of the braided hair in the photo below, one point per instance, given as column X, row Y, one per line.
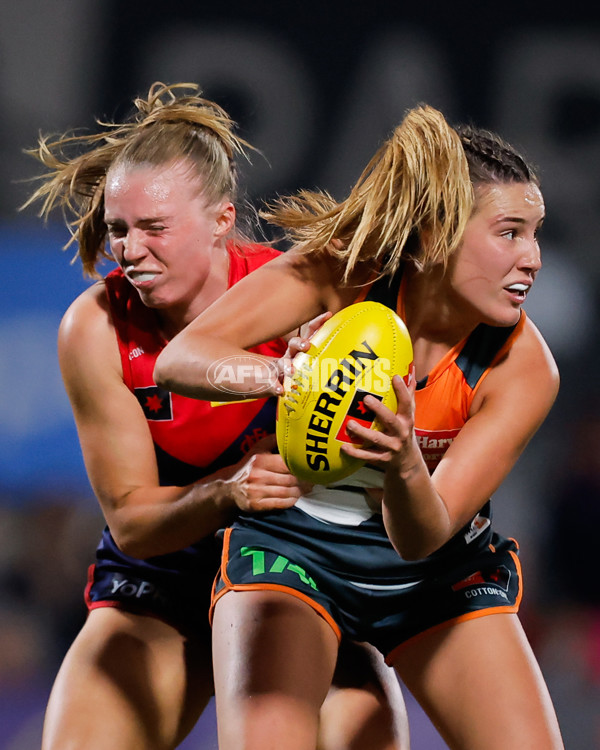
column 491, row 159
column 166, row 126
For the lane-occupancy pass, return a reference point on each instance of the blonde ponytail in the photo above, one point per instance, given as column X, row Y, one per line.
column 417, row 184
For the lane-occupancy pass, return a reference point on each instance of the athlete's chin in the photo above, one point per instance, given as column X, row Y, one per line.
column 152, row 298
column 504, row 318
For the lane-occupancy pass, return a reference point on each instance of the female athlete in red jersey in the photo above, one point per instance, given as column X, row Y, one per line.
column 168, row 471
column 442, row 226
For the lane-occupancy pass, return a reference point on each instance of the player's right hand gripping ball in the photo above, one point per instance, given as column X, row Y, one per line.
column 355, row 352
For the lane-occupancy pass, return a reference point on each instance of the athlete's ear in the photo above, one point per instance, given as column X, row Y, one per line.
column 225, row 220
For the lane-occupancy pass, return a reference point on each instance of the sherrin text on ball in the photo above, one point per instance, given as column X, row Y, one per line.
column 354, row 353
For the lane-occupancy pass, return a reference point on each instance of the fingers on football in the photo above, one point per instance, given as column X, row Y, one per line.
column 385, row 417
column 404, row 393
column 374, row 445
column 310, row 328
column 301, row 342
column 369, row 452
column 296, row 344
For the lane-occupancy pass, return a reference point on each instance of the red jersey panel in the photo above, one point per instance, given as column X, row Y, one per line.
column 192, row 438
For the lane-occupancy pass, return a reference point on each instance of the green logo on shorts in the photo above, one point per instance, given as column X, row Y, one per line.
column 281, row 563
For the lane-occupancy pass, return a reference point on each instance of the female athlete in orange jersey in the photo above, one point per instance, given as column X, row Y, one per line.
column 443, row 227
column 167, row 471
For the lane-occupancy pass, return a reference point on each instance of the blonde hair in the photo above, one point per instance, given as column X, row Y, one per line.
column 416, row 187
column 164, row 127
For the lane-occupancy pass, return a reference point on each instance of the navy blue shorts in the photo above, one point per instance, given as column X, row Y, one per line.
column 175, row 588
column 353, row 577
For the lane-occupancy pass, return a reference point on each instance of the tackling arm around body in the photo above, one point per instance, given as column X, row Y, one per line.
column 267, row 304
column 146, row 518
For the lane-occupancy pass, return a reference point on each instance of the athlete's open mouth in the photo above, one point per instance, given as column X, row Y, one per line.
column 519, row 289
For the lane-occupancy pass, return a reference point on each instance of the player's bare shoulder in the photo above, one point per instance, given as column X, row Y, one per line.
column 533, row 352
column 325, row 272
column 86, row 330
column 310, row 268
column 527, row 369
column 90, row 308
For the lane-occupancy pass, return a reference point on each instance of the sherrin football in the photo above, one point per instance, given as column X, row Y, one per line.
column 355, row 352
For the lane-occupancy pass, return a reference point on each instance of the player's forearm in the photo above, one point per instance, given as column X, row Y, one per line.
column 159, row 520
column 217, row 371
column 415, row 516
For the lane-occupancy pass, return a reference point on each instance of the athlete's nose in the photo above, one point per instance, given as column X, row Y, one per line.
column 531, row 259
column 133, row 245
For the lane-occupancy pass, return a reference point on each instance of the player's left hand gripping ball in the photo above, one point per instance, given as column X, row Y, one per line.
column 355, row 352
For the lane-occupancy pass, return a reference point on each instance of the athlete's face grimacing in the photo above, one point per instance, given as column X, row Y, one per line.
column 162, row 232
column 499, row 257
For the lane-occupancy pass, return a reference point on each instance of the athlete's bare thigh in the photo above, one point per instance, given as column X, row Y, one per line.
column 151, row 681
column 364, row 709
column 274, row 660
column 479, row 682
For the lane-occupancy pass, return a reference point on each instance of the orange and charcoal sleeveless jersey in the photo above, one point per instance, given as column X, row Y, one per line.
column 442, row 403
column 192, row 438
column 443, row 398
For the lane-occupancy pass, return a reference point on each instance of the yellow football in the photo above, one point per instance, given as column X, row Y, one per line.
column 355, row 352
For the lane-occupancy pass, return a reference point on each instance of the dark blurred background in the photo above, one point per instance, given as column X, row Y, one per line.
column 316, row 86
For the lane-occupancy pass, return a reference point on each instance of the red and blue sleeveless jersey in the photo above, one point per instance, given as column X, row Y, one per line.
column 192, row 438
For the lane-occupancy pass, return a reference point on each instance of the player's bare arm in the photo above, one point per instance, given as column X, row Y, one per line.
column 241, row 320
column 145, row 518
column 509, row 408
